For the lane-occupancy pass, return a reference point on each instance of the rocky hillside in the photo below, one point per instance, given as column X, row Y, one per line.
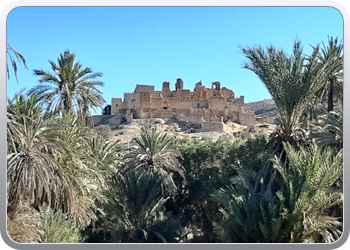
column 126, row 131
column 264, row 108
column 115, row 127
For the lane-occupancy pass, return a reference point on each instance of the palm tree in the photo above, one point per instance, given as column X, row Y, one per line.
column 87, row 161
column 33, row 174
column 332, row 87
column 309, row 177
column 329, row 129
column 89, row 99
column 53, row 160
column 57, row 227
column 152, row 156
column 20, row 104
column 104, row 154
column 291, row 81
column 18, row 56
column 255, row 209
column 135, row 211
column 70, row 88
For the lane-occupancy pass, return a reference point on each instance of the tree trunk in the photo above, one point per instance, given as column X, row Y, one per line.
column 330, row 98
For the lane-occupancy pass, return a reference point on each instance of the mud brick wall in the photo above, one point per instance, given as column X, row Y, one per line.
column 212, row 126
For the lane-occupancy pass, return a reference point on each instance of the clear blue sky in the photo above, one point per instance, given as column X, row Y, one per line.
column 150, row 45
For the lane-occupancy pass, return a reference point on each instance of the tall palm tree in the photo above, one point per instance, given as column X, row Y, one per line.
column 18, row 56
column 332, row 87
column 152, row 156
column 291, row 81
column 68, row 86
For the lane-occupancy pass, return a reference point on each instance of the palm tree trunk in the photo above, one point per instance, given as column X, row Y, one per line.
column 330, row 100
column 330, row 97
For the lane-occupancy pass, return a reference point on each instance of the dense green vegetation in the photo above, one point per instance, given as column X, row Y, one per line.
column 65, row 183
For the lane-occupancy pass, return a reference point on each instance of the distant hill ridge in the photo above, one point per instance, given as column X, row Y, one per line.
column 263, row 108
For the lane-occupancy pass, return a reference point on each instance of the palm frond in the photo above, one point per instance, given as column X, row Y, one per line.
column 153, row 157
column 18, row 56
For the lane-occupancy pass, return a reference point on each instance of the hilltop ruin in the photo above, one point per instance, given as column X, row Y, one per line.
column 210, row 107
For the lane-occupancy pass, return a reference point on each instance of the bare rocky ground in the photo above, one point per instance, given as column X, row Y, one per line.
column 115, row 128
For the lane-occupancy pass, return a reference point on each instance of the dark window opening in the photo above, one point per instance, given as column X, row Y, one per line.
column 165, row 107
column 116, row 105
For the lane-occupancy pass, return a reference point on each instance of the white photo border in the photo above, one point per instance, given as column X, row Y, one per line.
column 170, row 3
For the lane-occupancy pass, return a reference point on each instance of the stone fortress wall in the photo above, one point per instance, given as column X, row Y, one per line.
column 203, row 105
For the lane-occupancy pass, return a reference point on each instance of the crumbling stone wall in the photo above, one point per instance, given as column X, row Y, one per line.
column 183, row 93
column 213, row 104
column 212, row 126
column 156, row 102
column 247, row 119
column 193, row 119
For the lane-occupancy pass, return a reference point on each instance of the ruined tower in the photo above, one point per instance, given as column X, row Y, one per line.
column 179, row 84
column 166, row 87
